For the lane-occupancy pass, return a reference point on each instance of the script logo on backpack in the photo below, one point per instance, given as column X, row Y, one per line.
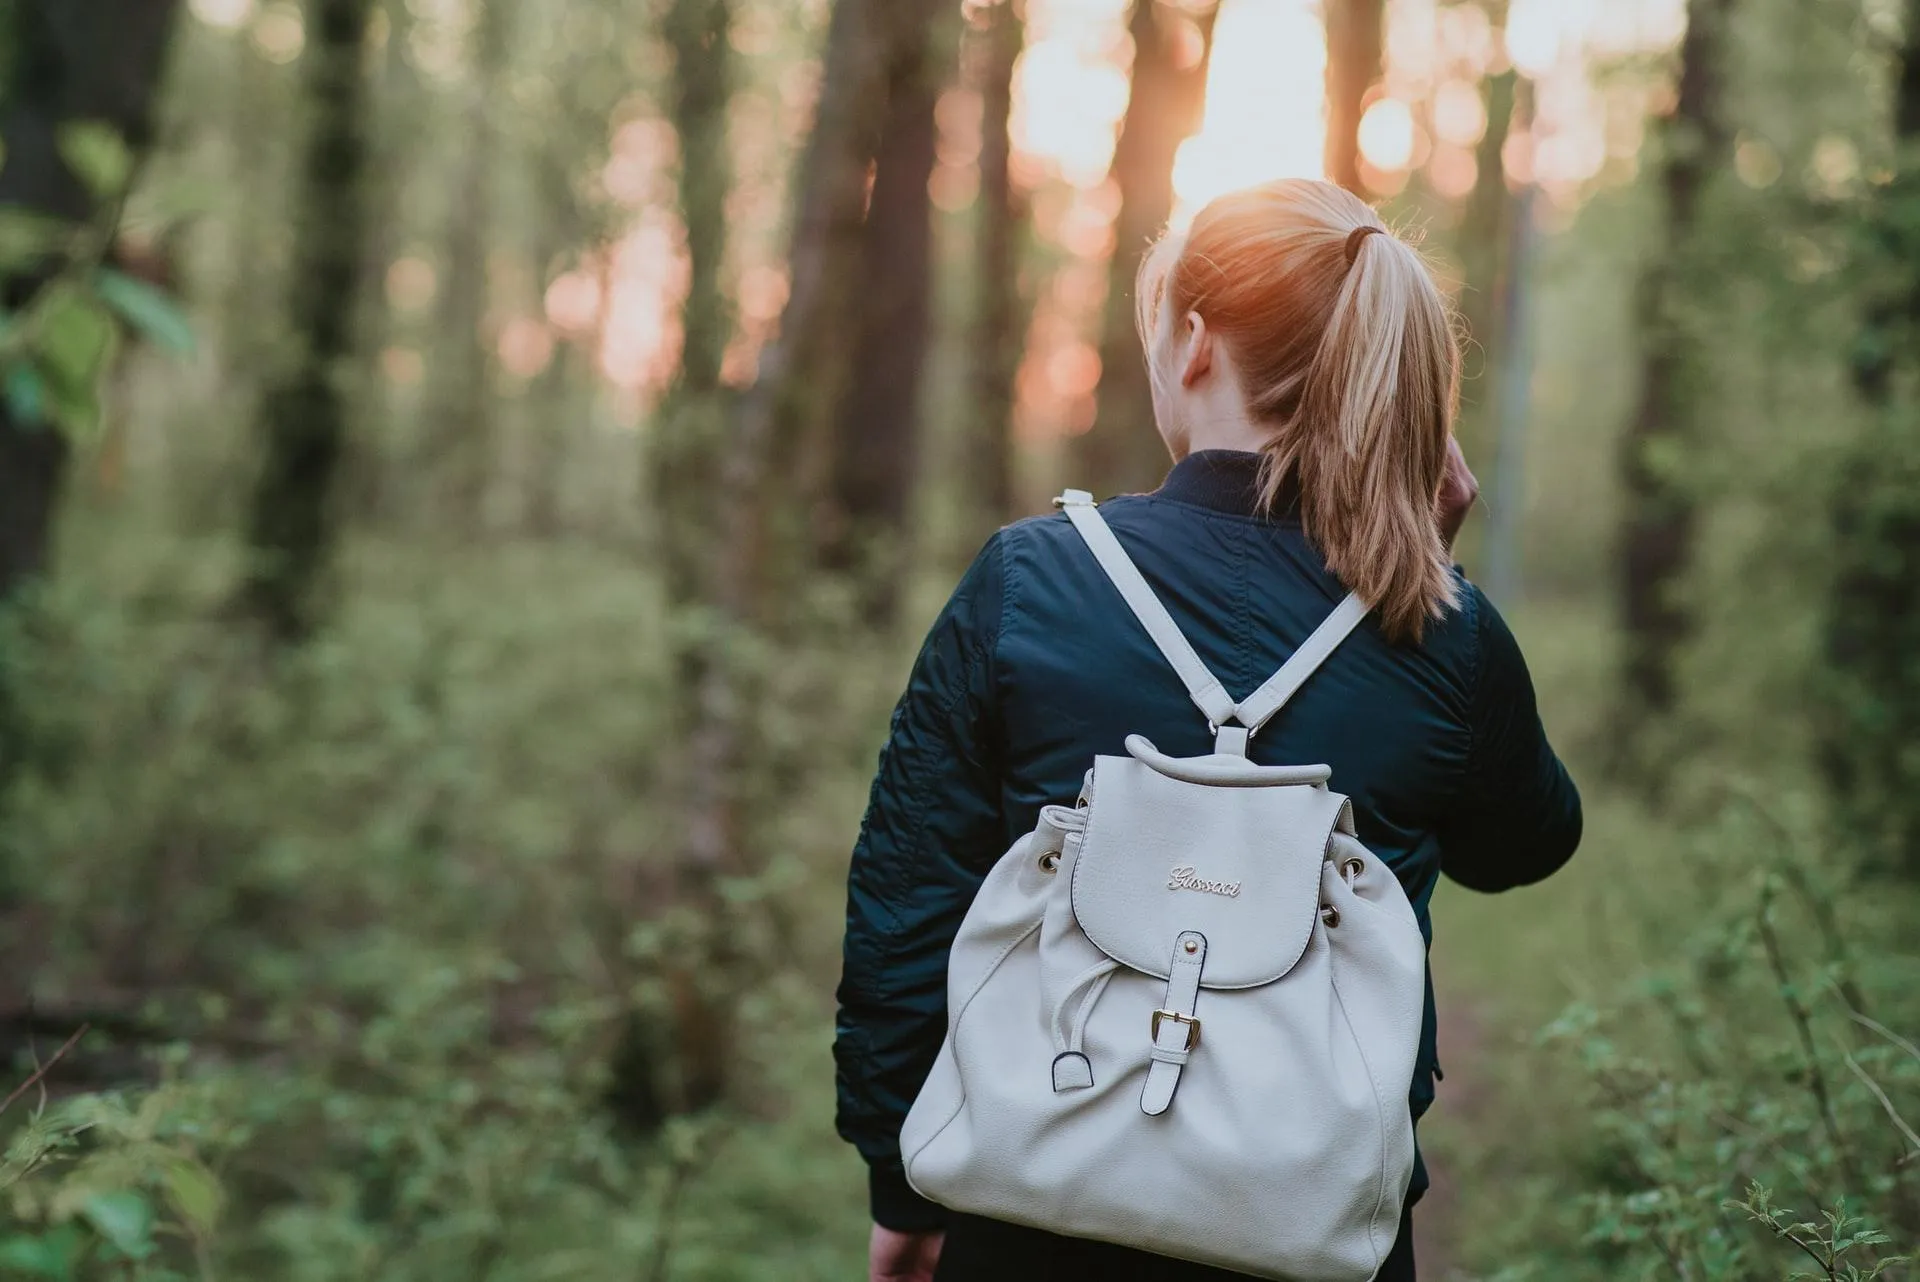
column 1186, row 877
column 1074, row 1092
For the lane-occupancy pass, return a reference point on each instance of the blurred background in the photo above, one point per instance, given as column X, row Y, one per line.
column 473, row 474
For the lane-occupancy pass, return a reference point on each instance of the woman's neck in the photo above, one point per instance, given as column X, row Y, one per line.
column 1227, row 431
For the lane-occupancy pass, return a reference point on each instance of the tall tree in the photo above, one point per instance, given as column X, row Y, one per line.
column 737, row 442
column 1356, row 43
column 1485, row 237
column 1873, row 610
column 1164, row 109
column 398, row 102
column 784, row 424
column 71, row 61
column 302, row 422
column 1000, row 313
column 458, row 411
column 775, row 425
column 687, row 479
column 1657, row 537
column 876, row 437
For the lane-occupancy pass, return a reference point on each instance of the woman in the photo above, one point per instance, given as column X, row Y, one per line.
column 1305, row 377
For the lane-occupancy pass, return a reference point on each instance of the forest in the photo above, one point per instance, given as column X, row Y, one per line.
column 474, row 475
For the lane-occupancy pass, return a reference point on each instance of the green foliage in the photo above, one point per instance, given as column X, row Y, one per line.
column 102, row 1186
column 99, row 157
column 150, row 313
column 1873, row 724
column 56, row 347
column 1744, row 1016
column 1835, row 1243
column 400, row 898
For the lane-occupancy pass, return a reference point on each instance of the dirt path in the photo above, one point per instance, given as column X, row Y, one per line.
column 1463, row 1097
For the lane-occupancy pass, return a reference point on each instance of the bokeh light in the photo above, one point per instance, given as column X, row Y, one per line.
column 1266, row 102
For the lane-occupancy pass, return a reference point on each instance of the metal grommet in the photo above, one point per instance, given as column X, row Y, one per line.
column 1050, row 862
column 1330, row 915
column 1352, row 868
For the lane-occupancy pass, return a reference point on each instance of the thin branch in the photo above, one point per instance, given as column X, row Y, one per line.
column 1880, row 1094
column 1818, row 906
column 1826, row 1266
column 1885, row 1032
column 1803, row 1029
column 41, row 1072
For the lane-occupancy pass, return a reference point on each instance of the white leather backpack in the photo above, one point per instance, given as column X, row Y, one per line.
column 1183, row 1015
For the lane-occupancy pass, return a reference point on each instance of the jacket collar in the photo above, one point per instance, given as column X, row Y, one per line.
column 1227, row 481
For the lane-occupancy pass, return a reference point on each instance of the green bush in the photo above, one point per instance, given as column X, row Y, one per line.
column 395, row 908
column 1743, row 1044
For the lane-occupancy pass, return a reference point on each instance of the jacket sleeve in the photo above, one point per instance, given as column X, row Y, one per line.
column 1518, row 818
column 933, row 829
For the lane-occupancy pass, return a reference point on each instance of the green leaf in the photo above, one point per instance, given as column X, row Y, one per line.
column 151, row 313
column 27, row 238
column 195, row 1194
column 98, row 157
column 26, row 394
column 52, row 1254
column 76, row 340
column 124, row 1219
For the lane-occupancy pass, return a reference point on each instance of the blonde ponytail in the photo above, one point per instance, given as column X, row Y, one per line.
column 1347, row 350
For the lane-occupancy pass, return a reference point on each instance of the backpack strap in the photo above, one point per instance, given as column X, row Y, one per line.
column 1259, row 707
column 1205, row 689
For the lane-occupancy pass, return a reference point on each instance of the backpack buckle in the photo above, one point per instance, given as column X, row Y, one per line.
column 1193, row 1027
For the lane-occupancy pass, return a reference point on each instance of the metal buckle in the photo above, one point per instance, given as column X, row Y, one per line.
column 1193, row 1027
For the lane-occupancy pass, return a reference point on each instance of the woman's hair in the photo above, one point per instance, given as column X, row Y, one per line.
column 1347, row 350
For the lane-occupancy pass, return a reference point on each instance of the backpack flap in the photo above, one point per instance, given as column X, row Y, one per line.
column 1210, row 846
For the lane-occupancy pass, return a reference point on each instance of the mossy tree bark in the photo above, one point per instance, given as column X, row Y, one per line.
column 1873, row 610
column 689, row 501
column 302, row 422
column 1657, row 536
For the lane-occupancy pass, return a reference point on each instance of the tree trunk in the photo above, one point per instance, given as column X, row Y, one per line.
column 397, row 111
column 1873, row 611
column 767, row 429
column 1356, row 43
column 1124, row 451
column 1658, row 535
column 458, row 417
column 1486, row 236
column 303, row 417
column 877, row 430
column 73, row 60
column 690, row 433
column 783, row 425
column 1001, row 314
column 688, row 462
column 717, row 450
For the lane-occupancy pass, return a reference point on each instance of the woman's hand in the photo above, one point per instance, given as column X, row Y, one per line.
column 1458, row 491
column 902, row 1257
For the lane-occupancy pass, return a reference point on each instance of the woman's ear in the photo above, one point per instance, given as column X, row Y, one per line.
column 1196, row 350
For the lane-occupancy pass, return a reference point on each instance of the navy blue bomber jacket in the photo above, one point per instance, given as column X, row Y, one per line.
column 1036, row 666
